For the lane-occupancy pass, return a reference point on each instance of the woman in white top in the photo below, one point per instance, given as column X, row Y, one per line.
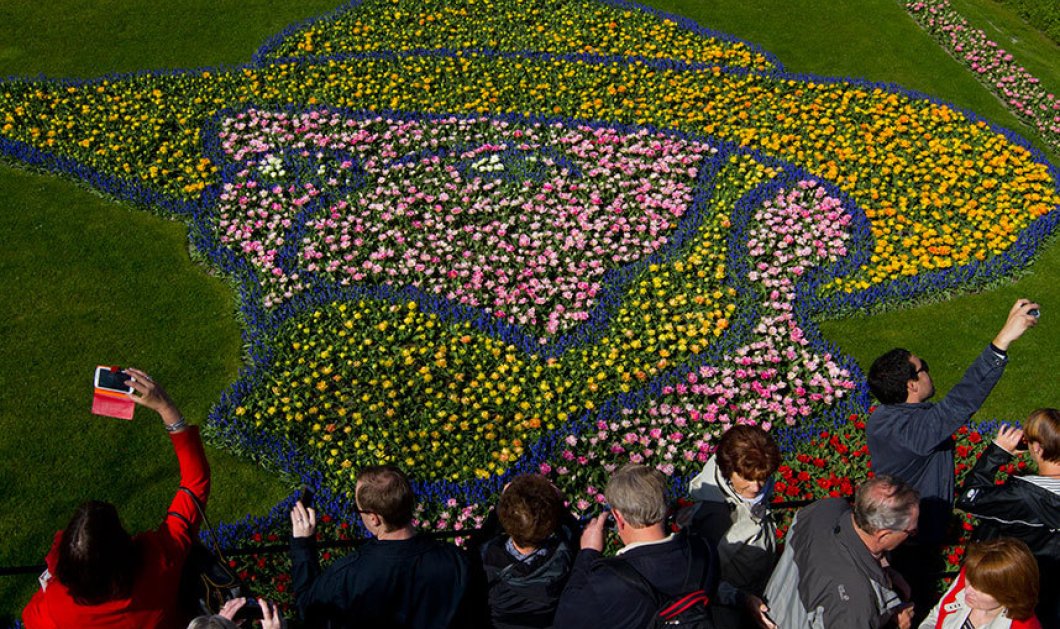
column 996, row 589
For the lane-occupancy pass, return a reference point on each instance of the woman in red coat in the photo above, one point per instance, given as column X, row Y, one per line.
column 100, row 576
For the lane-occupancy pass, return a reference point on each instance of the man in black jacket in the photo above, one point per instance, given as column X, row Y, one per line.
column 1025, row 507
column 597, row 595
column 398, row 580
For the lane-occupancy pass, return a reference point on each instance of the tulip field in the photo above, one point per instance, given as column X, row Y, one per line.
column 477, row 238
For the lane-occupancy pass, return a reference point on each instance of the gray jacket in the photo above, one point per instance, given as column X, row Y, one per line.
column 746, row 537
column 827, row 578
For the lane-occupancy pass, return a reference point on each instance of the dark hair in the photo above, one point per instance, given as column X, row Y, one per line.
column 1043, row 427
column 890, row 374
column 1006, row 569
column 749, row 451
column 385, row 491
column 530, row 510
column 885, row 503
column 97, row 559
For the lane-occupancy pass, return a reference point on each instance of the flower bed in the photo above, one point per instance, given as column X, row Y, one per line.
column 557, row 27
column 1021, row 91
column 474, row 264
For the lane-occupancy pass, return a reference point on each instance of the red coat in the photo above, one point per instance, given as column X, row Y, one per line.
column 153, row 601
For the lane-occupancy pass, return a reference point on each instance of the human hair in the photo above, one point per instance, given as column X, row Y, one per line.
column 1043, row 427
column 212, row 622
column 385, row 491
column 97, row 559
column 749, row 451
column 890, row 374
column 530, row 510
column 1006, row 569
column 639, row 493
column 885, row 503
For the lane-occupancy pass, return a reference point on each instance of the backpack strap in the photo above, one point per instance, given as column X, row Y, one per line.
column 697, row 570
column 636, row 580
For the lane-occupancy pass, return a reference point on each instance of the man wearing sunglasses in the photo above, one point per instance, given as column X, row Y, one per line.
column 911, row 438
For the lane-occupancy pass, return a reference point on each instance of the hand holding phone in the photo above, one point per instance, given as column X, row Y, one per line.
column 112, row 379
column 307, row 497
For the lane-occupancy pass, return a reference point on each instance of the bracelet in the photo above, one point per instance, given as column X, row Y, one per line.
column 180, row 425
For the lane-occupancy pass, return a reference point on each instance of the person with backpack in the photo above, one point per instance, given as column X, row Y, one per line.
column 526, row 565
column 655, row 579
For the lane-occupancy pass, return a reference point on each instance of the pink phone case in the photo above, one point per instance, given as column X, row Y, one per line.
column 112, row 405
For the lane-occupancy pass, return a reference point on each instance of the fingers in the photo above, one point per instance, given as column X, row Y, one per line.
column 1017, row 323
column 1008, row 438
column 303, row 520
column 232, row 607
column 270, row 617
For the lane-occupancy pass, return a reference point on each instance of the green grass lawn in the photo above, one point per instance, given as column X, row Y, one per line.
column 86, row 280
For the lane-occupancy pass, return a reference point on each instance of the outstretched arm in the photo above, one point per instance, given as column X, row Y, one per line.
column 183, row 517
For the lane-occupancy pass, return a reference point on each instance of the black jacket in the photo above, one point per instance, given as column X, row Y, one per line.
column 524, row 594
column 1025, row 507
column 415, row 583
column 598, row 596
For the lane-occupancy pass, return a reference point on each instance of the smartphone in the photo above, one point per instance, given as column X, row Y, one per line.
column 111, row 379
column 307, row 497
column 1022, row 445
column 251, row 610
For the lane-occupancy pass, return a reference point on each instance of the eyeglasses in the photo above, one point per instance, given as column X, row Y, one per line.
column 923, row 368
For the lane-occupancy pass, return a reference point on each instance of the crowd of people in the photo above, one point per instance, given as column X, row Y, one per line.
column 712, row 563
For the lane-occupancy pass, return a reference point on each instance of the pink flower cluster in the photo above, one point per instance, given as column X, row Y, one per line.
column 996, row 68
column 775, row 379
column 520, row 219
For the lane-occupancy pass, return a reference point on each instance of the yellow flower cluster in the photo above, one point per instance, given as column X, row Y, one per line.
column 554, row 26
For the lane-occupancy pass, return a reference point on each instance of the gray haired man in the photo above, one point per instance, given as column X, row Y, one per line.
column 834, row 570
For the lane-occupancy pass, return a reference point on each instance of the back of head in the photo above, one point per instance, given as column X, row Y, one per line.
column 885, row 503
column 212, row 622
column 889, row 376
column 1043, row 427
column 639, row 493
column 530, row 510
column 385, row 491
column 749, row 451
column 97, row 561
column 1006, row 569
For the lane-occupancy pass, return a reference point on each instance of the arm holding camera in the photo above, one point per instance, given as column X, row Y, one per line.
column 1022, row 316
column 182, row 519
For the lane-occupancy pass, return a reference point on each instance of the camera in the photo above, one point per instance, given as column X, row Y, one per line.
column 112, row 379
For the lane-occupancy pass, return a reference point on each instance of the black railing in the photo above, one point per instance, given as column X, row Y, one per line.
column 339, row 543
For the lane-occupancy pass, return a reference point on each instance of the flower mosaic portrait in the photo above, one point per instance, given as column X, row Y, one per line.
column 565, row 237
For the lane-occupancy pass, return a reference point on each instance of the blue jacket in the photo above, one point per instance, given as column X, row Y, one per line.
column 914, row 442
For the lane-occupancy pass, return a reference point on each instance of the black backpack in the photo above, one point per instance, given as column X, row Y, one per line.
column 689, row 609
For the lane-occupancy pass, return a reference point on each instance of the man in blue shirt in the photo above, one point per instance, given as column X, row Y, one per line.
column 912, row 439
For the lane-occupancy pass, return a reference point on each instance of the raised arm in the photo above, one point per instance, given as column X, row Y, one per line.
column 182, row 519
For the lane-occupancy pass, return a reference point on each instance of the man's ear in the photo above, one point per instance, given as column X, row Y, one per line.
column 912, row 390
column 619, row 520
column 1035, row 448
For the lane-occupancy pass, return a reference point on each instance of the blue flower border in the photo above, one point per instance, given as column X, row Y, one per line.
column 808, row 301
